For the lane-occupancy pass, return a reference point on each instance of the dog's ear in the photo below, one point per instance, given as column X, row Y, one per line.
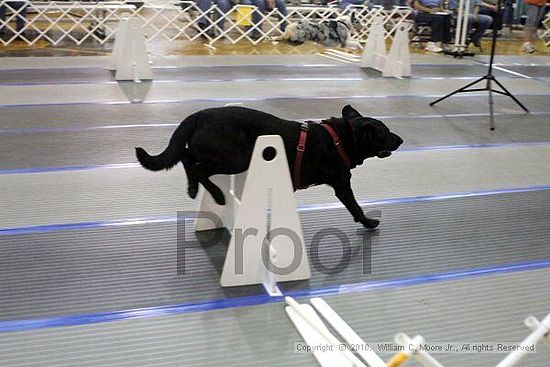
column 349, row 112
column 353, row 17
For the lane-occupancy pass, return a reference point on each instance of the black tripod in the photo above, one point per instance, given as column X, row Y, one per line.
column 489, row 77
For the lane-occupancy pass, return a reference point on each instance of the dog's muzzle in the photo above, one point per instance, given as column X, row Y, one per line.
column 383, row 154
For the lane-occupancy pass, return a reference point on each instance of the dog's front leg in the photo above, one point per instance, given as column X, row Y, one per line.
column 344, row 193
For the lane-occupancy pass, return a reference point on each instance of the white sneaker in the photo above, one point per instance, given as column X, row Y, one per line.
column 528, row 47
column 451, row 48
column 433, row 47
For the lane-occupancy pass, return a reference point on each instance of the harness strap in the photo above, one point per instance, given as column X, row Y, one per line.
column 338, row 144
column 304, row 128
column 300, row 154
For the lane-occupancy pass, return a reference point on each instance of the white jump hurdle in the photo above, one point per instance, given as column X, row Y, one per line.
column 315, row 333
column 421, row 356
column 313, row 330
column 129, row 56
column 539, row 331
column 266, row 243
column 397, row 63
column 349, row 335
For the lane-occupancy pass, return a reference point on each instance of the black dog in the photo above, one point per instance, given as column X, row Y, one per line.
column 221, row 140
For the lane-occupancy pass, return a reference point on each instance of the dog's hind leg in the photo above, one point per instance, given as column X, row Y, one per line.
column 213, row 189
column 196, row 176
column 192, row 182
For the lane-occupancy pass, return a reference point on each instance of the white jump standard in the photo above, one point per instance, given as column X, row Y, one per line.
column 397, row 63
column 266, row 243
column 129, row 57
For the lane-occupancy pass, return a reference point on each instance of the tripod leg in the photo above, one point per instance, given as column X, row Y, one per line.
column 457, row 91
column 491, row 106
column 511, row 96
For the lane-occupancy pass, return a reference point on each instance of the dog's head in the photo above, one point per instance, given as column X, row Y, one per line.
column 372, row 138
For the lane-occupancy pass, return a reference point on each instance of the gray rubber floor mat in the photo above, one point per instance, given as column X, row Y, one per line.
column 94, row 270
column 106, row 146
column 36, row 117
column 428, row 237
column 217, row 73
column 534, row 71
column 106, row 269
column 488, row 309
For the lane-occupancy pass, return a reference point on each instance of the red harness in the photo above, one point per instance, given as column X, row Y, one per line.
column 302, row 147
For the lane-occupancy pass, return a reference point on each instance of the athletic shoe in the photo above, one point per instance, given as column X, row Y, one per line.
column 433, row 47
column 450, row 48
column 528, row 47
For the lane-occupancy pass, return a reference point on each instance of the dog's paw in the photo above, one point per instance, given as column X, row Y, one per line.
column 192, row 191
column 370, row 223
column 219, row 199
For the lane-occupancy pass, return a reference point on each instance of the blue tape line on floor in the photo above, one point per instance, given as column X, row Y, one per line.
column 67, row 168
column 187, row 308
column 74, row 320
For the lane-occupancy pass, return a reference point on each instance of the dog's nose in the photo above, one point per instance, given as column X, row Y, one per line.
column 397, row 139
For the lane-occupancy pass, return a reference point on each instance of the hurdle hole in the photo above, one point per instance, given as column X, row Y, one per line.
column 269, row 153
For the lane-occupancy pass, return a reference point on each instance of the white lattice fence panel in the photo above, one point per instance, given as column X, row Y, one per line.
column 78, row 22
column 172, row 21
column 546, row 33
column 391, row 19
column 269, row 23
column 70, row 21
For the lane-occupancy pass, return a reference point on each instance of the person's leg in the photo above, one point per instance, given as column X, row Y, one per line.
column 225, row 6
column 497, row 17
column 260, row 5
column 540, row 15
column 281, row 6
column 204, row 5
column 480, row 23
column 508, row 13
column 344, row 4
column 533, row 13
column 2, row 17
column 21, row 19
column 436, row 23
column 447, row 21
column 439, row 27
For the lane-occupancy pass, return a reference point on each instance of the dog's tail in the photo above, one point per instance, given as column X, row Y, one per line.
column 173, row 152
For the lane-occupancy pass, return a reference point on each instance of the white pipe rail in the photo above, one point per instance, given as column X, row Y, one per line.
column 402, row 357
column 540, row 330
column 411, row 348
column 421, row 356
column 323, row 332
column 349, row 335
column 461, row 34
